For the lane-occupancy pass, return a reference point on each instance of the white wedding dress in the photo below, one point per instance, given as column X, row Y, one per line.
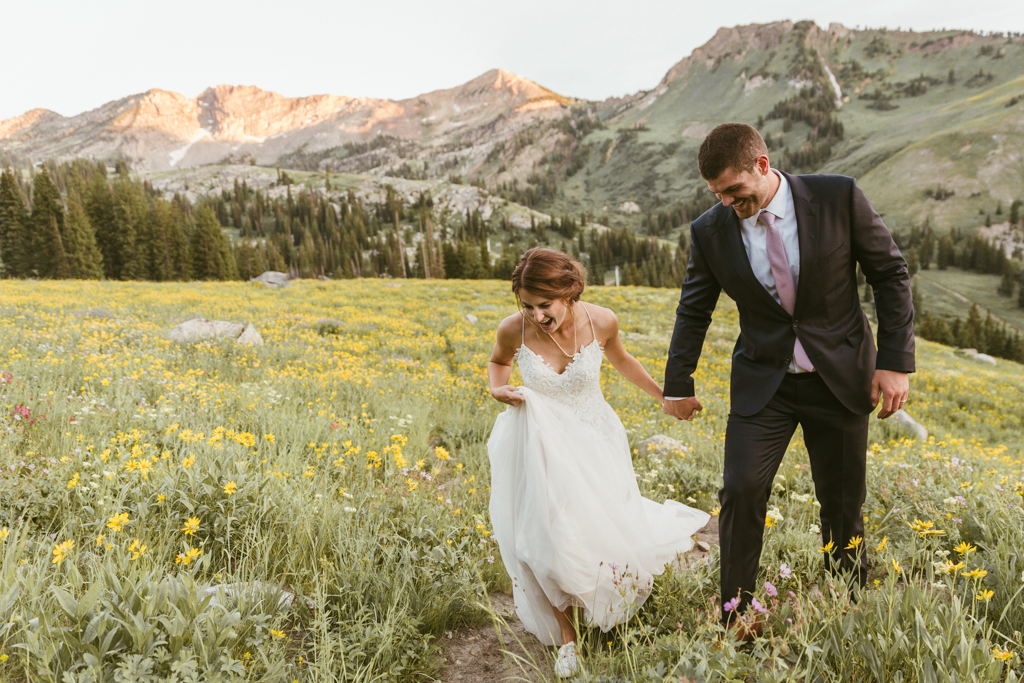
column 565, row 507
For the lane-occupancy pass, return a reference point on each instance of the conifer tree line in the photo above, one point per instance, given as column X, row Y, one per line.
column 77, row 220
column 923, row 250
column 976, row 253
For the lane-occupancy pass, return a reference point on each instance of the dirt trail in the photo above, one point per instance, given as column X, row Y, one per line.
column 485, row 654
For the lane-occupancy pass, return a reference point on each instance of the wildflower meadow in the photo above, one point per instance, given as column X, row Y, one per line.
column 315, row 508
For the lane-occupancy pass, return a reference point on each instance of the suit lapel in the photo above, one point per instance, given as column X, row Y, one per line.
column 741, row 261
column 807, row 233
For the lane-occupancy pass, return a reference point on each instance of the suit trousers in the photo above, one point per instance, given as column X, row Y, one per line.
column 836, row 440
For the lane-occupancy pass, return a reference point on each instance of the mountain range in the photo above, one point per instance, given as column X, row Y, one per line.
column 931, row 124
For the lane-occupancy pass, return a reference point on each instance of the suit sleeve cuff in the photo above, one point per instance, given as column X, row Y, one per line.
column 896, row 361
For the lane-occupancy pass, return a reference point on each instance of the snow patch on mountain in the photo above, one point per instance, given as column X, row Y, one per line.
column 179, row 154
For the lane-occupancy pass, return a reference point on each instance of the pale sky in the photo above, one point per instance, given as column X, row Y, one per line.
column 74, row 56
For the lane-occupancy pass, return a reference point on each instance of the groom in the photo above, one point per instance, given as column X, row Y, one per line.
column 785, row 248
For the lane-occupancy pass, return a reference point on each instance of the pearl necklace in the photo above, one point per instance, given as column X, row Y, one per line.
column 575, row 345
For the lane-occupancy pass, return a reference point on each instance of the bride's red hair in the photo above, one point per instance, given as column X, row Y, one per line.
column 550, row 274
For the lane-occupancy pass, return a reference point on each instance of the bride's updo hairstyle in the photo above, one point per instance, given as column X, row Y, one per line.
column 550, row 274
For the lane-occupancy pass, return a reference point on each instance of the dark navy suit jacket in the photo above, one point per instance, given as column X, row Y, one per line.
column 837, row 228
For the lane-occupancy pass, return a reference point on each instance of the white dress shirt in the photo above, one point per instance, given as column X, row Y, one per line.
column 755, row 240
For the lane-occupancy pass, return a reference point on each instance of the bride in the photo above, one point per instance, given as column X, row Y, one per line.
column 571, row 525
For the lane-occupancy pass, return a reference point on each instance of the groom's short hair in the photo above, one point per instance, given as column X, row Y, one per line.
column 735, row 145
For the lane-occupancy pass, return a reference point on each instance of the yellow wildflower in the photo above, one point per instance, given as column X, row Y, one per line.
column 61, row 551
column 854, row 543
column 827, row 548
column 965, row 548
column 188, row 556
column 136, row 549
column 882, row 544
column 191, row 526
column 984, row 595
column 117, row 522
column 230, row 487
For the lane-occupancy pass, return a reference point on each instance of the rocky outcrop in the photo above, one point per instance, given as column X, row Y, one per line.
column 910, row 425
column 272, row 278
column 200, row 329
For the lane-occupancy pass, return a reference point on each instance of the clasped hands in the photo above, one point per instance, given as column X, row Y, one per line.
column 893, row 388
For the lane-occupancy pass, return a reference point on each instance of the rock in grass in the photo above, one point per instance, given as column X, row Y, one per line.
column 272, row 278
column 199, row 329
column 984, row 358
column 661, row 446
column 903, row 419
column 250, row 336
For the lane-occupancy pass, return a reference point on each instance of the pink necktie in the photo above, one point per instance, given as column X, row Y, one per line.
column 783, row 280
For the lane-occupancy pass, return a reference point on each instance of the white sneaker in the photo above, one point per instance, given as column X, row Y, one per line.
column 566, row 664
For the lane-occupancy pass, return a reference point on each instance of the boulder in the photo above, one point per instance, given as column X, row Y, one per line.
column 661, row 446
column 250, row 336
column 903, row 419
column 984, row 358
column 199, row 329
column 471, row 318
column 967, row 352
column 272, row 278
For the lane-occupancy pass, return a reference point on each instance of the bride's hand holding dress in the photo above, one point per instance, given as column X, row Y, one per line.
column 571, row 525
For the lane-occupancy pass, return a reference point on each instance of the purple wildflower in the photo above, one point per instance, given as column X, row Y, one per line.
column 731, row 605
column 771, row 590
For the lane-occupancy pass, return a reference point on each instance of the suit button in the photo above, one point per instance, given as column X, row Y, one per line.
column 787, row 361
column 795, row 323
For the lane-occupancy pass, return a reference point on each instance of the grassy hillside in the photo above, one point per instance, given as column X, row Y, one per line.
column 952, row 292
column 344, row 461
column 919, row 111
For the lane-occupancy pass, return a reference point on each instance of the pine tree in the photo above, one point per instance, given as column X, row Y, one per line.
column 161, row 262
column 51, row 258
column 178, row 233
column 974, row 330
column 211, row 252
column 1008, row 280
column 131, row 213
column 84, row 258
column 99, row 205
column 15, row 235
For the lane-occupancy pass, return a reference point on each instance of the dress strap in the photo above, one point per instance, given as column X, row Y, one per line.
column 592, row 330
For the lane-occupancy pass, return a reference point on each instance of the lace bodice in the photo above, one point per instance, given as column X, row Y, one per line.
column 578, row 387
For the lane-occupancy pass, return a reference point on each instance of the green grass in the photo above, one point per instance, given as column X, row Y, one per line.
column 953, row 291
column 312, row 463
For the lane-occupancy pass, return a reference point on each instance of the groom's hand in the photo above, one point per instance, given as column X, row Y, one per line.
column 685, row 409
column 894, row 388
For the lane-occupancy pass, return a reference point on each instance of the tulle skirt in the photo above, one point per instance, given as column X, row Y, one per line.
column 569, row 519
